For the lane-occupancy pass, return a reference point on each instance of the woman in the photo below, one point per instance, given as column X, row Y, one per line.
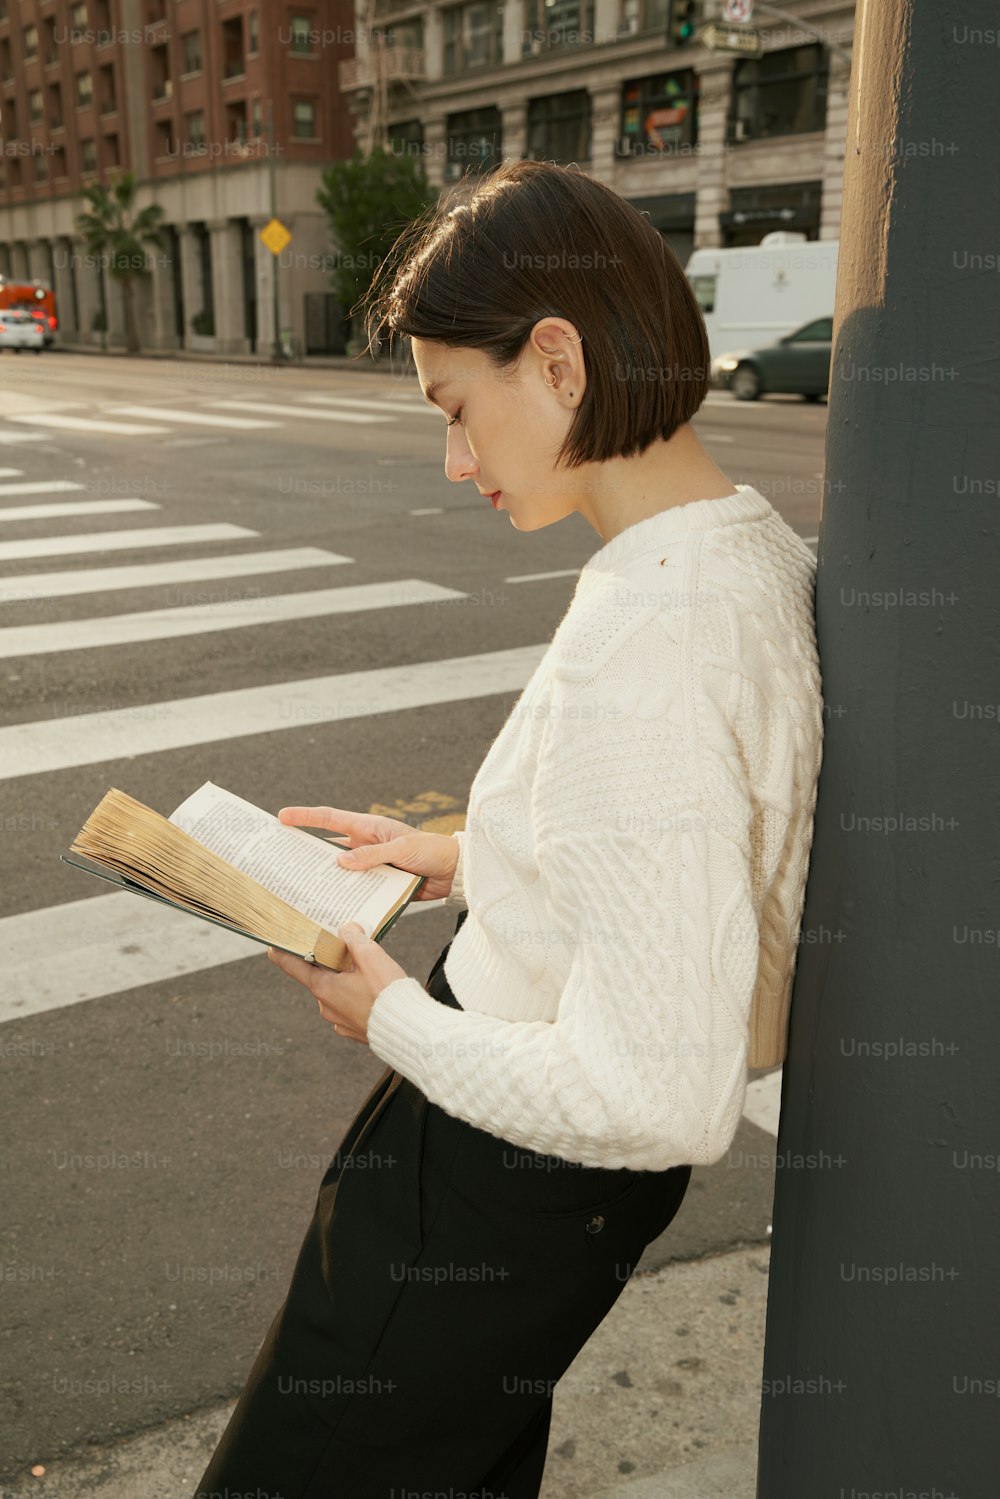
column 633, row 866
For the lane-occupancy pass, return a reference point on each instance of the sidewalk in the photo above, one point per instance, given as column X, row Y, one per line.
column 661, row 1403
column 397, row 366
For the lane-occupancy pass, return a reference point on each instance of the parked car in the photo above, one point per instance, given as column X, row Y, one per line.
column 798, row 364
column 20, row 330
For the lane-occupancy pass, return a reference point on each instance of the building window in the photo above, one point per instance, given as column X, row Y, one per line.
column 644, row 15
column 301, row 31
column 159, row 58
column 59, row 162
column 41, row 166
column 781, row 93
column 561, row 23
column 78, row 16
column 256, row 118
column 84, row 90
column 112, row 151
column 191, row 52
column 233, row 65
column 407, row 138
column 474, row 138
column 304, row 119
column 473, row 36
column 51, row 53
column 659, row 114
column 109, row 98
column 236, row 122
column 164, row 139
column 55, row 108
column 36, row 108
column 6, row 70
column 194, row 128
column 559, row 127
column 253, row 35
column 30, row 42
column 88, row 156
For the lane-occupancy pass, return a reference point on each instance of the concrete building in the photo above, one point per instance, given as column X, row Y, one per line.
column 177, row 91
column 718, row 148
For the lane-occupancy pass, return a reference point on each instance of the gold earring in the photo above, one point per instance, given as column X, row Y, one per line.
column 550, row 382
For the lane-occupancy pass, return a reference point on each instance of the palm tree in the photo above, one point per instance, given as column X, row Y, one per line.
column 110, row 228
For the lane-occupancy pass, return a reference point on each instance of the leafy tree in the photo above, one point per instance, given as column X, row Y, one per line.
column 112, row 230
column 369, row 201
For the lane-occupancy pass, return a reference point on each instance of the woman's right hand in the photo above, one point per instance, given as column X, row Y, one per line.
column 382, row 840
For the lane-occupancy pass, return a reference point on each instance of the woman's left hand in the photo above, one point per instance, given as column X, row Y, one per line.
column 345, row 999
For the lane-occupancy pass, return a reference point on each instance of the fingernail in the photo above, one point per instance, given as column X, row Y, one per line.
column 346, row 858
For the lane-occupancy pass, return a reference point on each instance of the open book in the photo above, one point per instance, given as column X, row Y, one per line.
column 223, row 859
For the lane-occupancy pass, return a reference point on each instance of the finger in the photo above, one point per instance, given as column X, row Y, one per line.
column 334, row 818
column 367, row 855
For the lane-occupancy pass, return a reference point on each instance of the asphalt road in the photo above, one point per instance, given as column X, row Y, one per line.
column 170, row 1103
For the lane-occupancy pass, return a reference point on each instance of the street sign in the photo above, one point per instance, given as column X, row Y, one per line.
column 730, row 39
column 737, row 10
column 275, row 236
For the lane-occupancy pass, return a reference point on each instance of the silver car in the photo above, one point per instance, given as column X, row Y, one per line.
column 19, row 330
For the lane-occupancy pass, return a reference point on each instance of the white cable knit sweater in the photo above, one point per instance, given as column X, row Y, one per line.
column 635, row 855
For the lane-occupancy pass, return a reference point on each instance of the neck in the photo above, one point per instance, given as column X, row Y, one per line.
column 622, row 491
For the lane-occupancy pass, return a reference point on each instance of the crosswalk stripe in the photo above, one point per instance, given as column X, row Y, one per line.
column 15, row 439
column 559, row 572
column 195, row 418
column 294, row 412
column 374, row 404
column 10, row 473
column 763, row 1102
column 229, row 614
column 74, row 507
column 108, row 944
column 84, row 424
column 27, row 586
column 120, row 541
column 39, row 486
column 90, row 738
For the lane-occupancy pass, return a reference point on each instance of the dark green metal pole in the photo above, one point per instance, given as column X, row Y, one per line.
column 881, row 1369
column 273, row 193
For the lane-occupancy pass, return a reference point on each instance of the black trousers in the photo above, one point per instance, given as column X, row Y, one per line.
column 445, row 1283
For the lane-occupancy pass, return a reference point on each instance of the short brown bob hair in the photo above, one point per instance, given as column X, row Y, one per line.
column 530, row 239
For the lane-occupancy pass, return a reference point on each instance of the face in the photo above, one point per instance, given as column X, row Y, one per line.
column 504, row 430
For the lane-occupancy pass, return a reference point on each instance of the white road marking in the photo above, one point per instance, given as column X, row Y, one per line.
column 147, row 729
column 375, row 404
column 119, row 541
column 196, row 418
column 763, row 1102
column 109, row 944
column 10, row 473
column 560, row 572
column 15, row 439
column 38, row 486
column 294, row 412
column 155, row 574
column 85, row 424
column 229, row 614
column 74, row 507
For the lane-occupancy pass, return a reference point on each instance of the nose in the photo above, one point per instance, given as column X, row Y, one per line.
column 459, row 462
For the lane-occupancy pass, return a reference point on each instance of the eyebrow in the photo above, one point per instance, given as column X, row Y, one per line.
column 433, row 389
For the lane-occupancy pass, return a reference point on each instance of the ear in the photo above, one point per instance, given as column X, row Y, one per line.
column 555, row 349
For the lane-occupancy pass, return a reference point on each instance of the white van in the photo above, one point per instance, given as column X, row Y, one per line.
column 751, row 295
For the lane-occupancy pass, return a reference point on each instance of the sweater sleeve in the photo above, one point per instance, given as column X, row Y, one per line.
column 644, row 847
column 456, row 895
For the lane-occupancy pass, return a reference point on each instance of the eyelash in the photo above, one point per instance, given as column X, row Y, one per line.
column 455, row 418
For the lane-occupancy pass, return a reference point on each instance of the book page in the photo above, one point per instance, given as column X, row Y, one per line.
column 290, row 862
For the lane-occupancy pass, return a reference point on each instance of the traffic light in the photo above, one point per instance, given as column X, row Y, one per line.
column 682, row 22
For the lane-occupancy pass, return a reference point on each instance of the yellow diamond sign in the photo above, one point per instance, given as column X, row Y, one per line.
column 275, row 236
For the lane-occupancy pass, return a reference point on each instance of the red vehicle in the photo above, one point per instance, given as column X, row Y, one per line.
column 34, row 297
